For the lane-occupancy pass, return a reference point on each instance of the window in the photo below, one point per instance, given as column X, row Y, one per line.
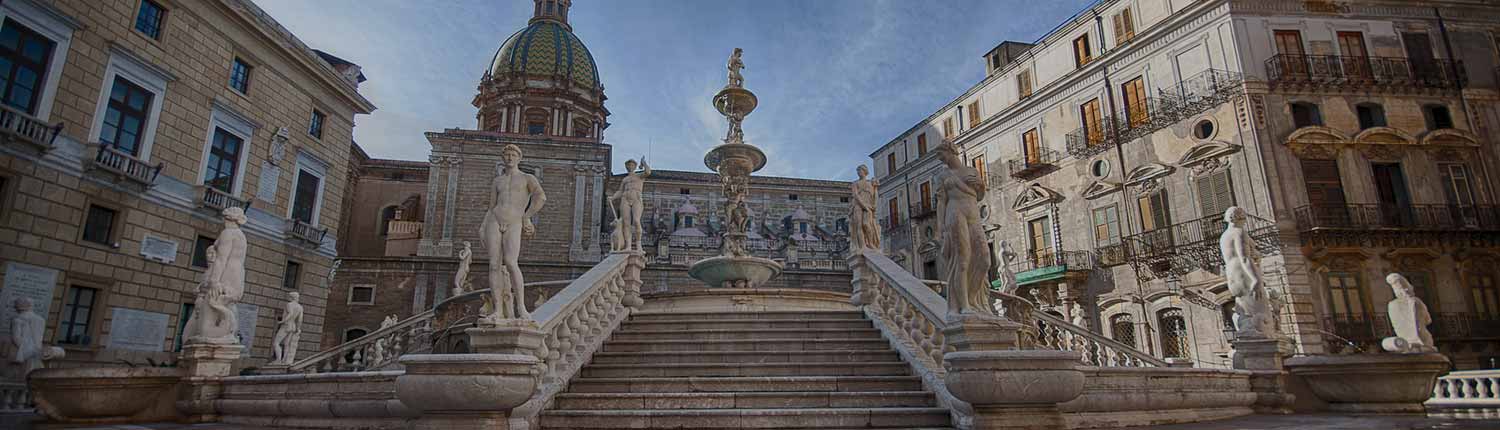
column 1107, row 226
column 973, row 114
column 1031, row 147
column 1081, row 53
column 1352, row 47
column 387, row 214
column 922, row 141
column 843, row 200
column 1135, row 102
column 684, row 191
column 1437, row 117
column 1370, row 115
column 1122, row 329
column 1325, row 189
column 305, row 197
column 77, row 315
column 315, row 124
column 362, row 295
column 223, row 161
column 1306, row 115
column 291, row 275
column 792, row 197
column 183, row 313
column 894, row 212
column 1023, row 83
column 890, row 162
column 99, row 226
column 125, row 116
column 239, row 76
column 948, row 127
column 1040, row 234
column 1124, row 26
column 921, row 147
column 978, row 163
column 1204, row 129
column 1226, row 313
column 24, row 55
column 148, row 20
column 925, row 191
column 1156, row 217
column 1215, row 194
column 1099, row 168
column 200, row 251
column 1174, row 334
column 1289, row 47
column 1092, row 125
column 1486, row 297
column 1456, row 187
column 1346, row 297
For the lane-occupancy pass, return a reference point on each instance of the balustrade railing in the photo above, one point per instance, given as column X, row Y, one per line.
column 1098, row 350
column 218, row 200
column 1032, row 163
column 1038, row 259
column 1435, row 217
column 19, row 126
column 1110, row 255
column 1464, row 325
column 1365, row 72
column 1467, row 389
column 1145, row 115
column 1183, row 247
column 395, row 227
column 125, row 166
column 14, row 397
column 307, row 231
column 1092, row 139
column 374, row 350
column 1201, row 92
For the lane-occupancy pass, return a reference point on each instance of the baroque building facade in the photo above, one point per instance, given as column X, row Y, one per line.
column 126, row 128
column 1358, row 136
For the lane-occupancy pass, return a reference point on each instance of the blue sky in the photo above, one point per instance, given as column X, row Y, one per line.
column 836, row 78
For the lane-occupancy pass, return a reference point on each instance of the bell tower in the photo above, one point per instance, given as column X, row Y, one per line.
column 552, row 10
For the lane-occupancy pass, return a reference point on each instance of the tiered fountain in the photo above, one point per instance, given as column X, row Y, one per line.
column 735, row 160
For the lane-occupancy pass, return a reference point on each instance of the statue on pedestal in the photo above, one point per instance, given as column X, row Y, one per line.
column 1007, row 274
column 461, row 278
column 630, row 206
column 213, row 320
column 865, row 233
column 964, row 246
column 1409, row 319
column 26, row 330
column 288, row 332
column 736, row 80
column 1252, row 313
column 516, row 197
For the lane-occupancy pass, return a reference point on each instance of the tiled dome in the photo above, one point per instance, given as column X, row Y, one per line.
column 546, row 48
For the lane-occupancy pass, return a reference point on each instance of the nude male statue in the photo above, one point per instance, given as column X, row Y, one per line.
column 288, row 332
column 629, row 197
column 516, row 197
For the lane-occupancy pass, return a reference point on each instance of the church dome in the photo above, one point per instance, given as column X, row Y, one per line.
column 547, row 47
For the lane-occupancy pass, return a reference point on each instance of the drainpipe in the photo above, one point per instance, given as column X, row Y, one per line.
column 1463, row 101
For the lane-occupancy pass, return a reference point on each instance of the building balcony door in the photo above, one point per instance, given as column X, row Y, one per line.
column 1395, row 201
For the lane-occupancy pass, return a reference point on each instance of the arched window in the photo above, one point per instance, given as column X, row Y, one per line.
column 1370, row 115
column 1174, row 335
column 536, row 121
column 1437, row 117
column 386, row 215
column 1122, row 329
column 1306, row 115
column 350, row 335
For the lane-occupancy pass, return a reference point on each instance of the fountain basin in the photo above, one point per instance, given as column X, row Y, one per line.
column 737, row 158
column 722, row 270
column 1371, row 383
column 100, row 395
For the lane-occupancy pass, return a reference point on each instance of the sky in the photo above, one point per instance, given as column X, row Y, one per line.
column 836, row 79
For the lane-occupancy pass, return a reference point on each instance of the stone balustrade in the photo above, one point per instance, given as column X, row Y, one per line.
column 1466, row 389
column 306, row 231
column 1097, row 350
column 20, row 127
column 372, row 351
column 401, row 227
column 218, row 200
column 14, row 397
column 125, row 166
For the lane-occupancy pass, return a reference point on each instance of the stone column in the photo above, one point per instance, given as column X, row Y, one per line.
column 1005, row 385
column 1268, row 377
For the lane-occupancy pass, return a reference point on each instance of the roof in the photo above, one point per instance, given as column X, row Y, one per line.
column 546, row 48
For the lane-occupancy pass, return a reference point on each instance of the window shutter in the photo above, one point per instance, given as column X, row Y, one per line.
column 1129, row 24
column 1119, row 28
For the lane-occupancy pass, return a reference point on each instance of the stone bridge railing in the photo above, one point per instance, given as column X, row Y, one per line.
column 1467, row 389
column 1054, row 333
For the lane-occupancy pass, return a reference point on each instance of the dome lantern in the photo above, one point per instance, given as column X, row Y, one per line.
column 552, row 11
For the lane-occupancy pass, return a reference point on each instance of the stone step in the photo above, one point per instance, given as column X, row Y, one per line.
column 896, row 368
column 684, row 324
column 769, row 345
column 672, row 357
column 747, row 334
column 800, row 399
column 904, row 418
column 715, row 316
column 739, row 384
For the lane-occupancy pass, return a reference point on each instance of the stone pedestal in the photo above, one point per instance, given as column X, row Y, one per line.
column 636, row 263
column 204, row 364
column 1009, row 388
column 520, row 337
column 1371, row 383
column 466, row 391
column 981, row 333
column 1268, row 380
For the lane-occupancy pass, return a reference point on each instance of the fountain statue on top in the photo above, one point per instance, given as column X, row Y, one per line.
column 735, row 160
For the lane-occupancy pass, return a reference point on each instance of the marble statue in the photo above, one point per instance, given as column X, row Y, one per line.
column 28, row 352
column 377, row 355
column 1409, row 319
column 739, row 216
column 616, row 236
column 630, row 206
column 1007, row 274
column 516, row 197
column 1252, row 313
column 736, row 80
column 213, row 320
column 865, row 233
column 964, row 246
column 461, row 278
column 288, row 332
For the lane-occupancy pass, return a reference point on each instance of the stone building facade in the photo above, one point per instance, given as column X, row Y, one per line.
column 1358, row 136
column 127, row 127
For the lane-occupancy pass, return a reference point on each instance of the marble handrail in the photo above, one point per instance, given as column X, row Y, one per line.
column 1467, row 389
column 1055, row 333
column 371, row 351
column 14, row 397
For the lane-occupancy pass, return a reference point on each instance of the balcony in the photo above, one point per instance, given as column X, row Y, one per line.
column 125, row 167
column 1047, row 265
column 1369, row 73
column 922, row 211
column 217, row 200
column 1365, row 331
column 1033, row 164
column 1088, row 141
column 1110, row 255
column 1193, row 96
column 17, row 126
column 307, row 232
column 1176, row 250
column 1398, row 217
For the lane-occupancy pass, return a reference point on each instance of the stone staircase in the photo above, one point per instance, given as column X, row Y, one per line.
column 767, row 370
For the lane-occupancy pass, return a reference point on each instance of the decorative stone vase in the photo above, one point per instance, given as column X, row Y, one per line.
column 1371, row 383
column 1014, row 389
column 100, row 395
column 466, row 390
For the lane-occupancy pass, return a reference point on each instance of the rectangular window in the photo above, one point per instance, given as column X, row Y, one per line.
column 1092, row 125
column 1289, row 46
column 792, row 197
column 1456, row 187
column 239, row 76
column 1215, row 194
column 362, row 295
column 305, row 197
column 1155, row 213
column 223, row 161
column 1023, row 83
column 1040, row 231
column 1355, row 58
column 922, row 142
column 1346, row 297
column 894, row 212
column 890, row 163
column 1135, row 102
column 973, row 114
column 99, row 226
column 978, row 163
column 1486, row 297
column 1106, row 226
column 200, row 251
column 1031, row 146
column 315, row 124
column 926, row 193
column 948, row 127
column 183, row 313
column 149, row 19
column 77, row 315
column 24, row 55
column 684, row 191
column 1124, row 26
column 290, row 276
column 1081, row 53
column 125, row 116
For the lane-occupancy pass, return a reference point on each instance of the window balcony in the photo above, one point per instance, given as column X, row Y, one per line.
column 1369, row 73
column 1365, row 331
column 1110, row 255
column 1178, row 249
column 922, row 211
column 1424, row 217
column 1033, row 164
column 1088, row 141
column 125, row 167
column 217, row 200
column 19, row 127
column 1193, row 96
column 306, row 232
column 1047, row 265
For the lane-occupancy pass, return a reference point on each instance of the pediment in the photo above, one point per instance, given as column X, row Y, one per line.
column 1450, row 137
column 1035, row 195
column 1206, row 152
column 1099, row 189
column 1384, row 136
column 1147, row 172
column 1317, row 134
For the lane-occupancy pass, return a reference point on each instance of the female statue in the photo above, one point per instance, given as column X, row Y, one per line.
column 963, row 238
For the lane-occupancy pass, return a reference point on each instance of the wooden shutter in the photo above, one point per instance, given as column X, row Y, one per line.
column 1023, row 83
column 1081, row 53
column 948, row 127
column 1324, row 189
column 1135, row 101
column 973, row 114
column 1091, row 123
column 1032, row 147
column 1154, row 211
column 926, row 190
column 1129, row 23
column 890, row 162
column 1215, row 194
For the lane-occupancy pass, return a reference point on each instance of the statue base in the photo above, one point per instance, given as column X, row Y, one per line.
column 1004, row 390
column 520, row 337
column 976, row 332
column 1268, row 380
column 210, row 360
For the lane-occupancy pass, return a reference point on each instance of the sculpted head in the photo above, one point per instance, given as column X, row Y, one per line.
column 630, row 166
column 948, row 152
column 293, row 296
column 512, row 156
column 862, row 171
column 1234, row 215
column 23, row 305
column 1399, row 285
column 235, row 214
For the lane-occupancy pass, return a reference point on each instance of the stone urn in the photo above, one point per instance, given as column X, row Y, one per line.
column 1014, row 389
column 1371, row 383
column 99, row 395
column 466, row 390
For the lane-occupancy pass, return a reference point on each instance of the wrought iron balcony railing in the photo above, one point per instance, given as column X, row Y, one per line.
column 1364, row 331
column 1045, row 264
column 922, row 211
column 307, row 232
column 1033, row 163
column 1183, row 247
column 18, row 126
column 219, row 200
column 125, row 166
column 1092, row 139
column 1425, row 217
column 888, row 223
column 1365, row 72
column 1189, row 98
column 1110, row 255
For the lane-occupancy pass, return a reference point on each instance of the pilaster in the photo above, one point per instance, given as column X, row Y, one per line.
column 445, row 245
column 427, row 245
